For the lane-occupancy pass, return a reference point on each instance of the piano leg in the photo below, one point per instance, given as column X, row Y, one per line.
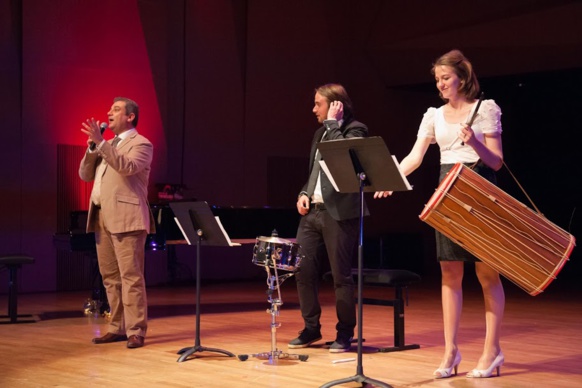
column 99, row 295
column 172, row 265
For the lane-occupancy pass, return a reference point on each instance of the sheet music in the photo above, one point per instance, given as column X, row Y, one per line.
column 230, row 243
column 326, row 170
column 182, row 230
column 401, row 174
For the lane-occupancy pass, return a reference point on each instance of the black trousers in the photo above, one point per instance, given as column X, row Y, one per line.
column 319, row 234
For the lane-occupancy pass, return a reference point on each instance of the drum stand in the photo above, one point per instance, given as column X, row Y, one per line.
column 273, row 283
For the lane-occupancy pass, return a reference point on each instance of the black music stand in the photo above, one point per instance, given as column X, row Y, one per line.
column 200, row 227
column 358, row 165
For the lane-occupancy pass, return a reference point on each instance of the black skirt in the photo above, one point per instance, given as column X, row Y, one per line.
column 447, row 250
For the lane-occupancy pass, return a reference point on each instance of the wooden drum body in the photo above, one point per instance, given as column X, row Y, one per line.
column 502, row 232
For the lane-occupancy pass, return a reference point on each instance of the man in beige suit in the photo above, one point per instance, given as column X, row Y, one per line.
column 120, row 216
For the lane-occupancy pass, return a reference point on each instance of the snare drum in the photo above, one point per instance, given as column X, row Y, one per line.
column 275, row 252
column 502, row 232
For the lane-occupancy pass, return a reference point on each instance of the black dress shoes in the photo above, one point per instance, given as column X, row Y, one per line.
column 306, row 338
column 135, row 341
column 109, row 337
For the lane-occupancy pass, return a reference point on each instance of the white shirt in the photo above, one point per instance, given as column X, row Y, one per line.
column 96, row 192
column 317, row 196
column 434, row 126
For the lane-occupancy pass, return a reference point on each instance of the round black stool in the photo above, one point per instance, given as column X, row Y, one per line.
column 13, row 263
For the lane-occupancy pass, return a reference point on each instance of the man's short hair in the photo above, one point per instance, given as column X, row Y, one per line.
column 130, row 107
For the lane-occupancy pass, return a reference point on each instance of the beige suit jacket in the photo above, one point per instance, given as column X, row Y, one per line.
column 124, row 185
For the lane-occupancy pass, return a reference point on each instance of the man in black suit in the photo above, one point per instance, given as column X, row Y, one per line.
column 330, row 219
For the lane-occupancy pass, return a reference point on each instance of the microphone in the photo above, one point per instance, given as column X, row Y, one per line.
column 103, row 127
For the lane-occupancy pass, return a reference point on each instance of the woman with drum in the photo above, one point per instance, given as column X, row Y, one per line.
column 475, row 140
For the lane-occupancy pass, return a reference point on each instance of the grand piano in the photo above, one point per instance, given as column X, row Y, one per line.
column 239, row 222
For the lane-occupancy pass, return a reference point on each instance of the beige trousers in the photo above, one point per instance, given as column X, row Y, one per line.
column 121, row 263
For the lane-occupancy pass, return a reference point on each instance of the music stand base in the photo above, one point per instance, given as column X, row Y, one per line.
column 187, row 352
column 358, row 379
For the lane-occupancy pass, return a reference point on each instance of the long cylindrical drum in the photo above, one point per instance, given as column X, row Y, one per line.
column 520, row 244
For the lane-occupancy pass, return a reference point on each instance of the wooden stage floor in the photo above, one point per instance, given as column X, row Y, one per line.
column 541, row 341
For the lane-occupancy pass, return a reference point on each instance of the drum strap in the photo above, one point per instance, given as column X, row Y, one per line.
column 522, row 189
column 472, row 167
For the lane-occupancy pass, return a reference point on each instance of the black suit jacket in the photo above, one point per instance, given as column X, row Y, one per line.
column 341, row 206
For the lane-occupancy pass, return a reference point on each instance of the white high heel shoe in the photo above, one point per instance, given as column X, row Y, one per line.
column 443, row 373
column 484, row 373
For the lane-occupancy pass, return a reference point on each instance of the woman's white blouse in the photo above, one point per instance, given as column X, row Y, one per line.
column 434, row 126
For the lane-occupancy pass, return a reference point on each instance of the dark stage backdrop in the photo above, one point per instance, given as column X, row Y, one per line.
column 542, row 145
column 226, row 91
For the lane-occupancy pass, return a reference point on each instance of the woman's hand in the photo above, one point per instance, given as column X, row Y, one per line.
column 466, row 134
column 382, row 194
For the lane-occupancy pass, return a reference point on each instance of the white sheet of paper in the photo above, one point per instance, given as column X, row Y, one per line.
column 230, row 243
column 326, row 170
column 182, row 230
column 401, row 174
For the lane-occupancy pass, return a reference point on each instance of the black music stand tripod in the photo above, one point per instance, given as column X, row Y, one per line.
column 197, row 223
column 358, row 165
